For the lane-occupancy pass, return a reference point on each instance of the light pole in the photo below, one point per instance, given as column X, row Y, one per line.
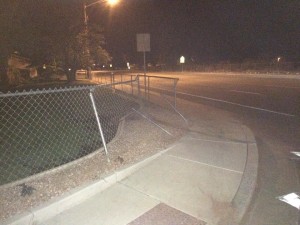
column 85, row 6
column 86, row 31
column 182, row 61
column 278, row 61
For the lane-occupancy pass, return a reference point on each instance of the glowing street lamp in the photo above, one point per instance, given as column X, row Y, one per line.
column 85, row 6
column 113, row 2
column 108, row 2
column 278, row 61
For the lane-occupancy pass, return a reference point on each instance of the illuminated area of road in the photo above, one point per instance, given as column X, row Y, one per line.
column 232, row 103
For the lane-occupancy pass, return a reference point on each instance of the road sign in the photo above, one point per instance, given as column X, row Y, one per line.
column 143, row 42
column 182, row 59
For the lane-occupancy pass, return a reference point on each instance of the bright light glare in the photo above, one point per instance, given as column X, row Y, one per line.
column 113, row 2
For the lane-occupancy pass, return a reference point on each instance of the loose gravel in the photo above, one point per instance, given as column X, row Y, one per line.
column 137, row 139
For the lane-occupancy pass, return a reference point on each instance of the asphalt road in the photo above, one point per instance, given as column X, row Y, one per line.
column 270, row 107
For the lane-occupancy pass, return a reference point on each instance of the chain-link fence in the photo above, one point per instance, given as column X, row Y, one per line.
column 54, row 140
column 44, row 129
column 41, row 130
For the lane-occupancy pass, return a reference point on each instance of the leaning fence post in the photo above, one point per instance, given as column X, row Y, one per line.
column 98, row 122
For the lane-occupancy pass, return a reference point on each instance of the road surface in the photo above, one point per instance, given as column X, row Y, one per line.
column 270, row 107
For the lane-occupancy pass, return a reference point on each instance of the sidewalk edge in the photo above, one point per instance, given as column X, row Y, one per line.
column 243, row 197
column 78, row 195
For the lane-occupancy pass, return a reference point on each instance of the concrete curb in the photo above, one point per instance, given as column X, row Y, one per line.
column 77, row 195
column 243, row 197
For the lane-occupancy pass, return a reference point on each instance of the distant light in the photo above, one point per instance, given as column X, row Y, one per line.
column 103, row 66
column 128, row 65
column 44, row 66
column 182, row 59
column 278, row 59
column 70, row 69
column 110, row 65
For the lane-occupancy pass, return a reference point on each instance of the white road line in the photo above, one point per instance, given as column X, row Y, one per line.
column 246, row 92
column 277, row 86
column 232, row 103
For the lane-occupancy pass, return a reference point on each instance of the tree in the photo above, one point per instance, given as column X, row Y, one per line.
column 7, row 12
column 85, row 49
column 49, row 31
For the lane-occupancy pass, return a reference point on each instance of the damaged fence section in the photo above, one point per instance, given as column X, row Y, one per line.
column 44, row 129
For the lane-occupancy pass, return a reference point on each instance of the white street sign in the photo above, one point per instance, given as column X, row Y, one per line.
column 143, row 42
column 182, row 59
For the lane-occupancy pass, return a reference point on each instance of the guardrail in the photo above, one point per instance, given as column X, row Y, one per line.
column 159, row 84
column 145, row 86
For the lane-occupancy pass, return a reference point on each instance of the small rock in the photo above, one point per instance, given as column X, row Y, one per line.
column 26, row 190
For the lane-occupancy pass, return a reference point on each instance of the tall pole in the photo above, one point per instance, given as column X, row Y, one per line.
column 145, row 73
column 144, row 63
column 86, row 41
column 85, row 15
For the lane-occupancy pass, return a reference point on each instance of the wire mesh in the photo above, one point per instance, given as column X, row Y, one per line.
column 41, row 130
column 50, row 140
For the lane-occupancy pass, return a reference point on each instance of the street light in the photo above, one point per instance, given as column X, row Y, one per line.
column 182, row 61
column 85, row 6
column 278, row 61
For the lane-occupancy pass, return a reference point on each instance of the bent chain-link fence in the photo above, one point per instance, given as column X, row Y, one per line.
column 42, row 130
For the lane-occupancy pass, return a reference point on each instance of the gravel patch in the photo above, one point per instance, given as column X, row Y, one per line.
column 136, row 140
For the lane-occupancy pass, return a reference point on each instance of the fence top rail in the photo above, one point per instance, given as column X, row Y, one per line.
column 168, row 78
column 60, row 89
column 45, row 91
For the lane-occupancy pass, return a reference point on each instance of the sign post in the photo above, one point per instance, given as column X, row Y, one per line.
column 143, row 45
column 182, row 61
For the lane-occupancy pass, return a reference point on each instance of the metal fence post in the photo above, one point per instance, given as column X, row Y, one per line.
column 145, row 86
column 131, row 84
column 138, row 82
column 98, row 122
column 122, row 82
column 148, row 89
column 175, row 84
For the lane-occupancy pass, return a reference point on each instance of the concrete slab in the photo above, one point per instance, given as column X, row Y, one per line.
column 193, row 188
column 227, row 155
column 118, row 205
column 165, row 215
column 218, row 130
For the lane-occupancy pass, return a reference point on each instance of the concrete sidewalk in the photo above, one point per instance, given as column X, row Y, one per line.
column 206, row 177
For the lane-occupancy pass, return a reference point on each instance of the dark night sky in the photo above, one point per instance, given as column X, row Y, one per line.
column 204, row 30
